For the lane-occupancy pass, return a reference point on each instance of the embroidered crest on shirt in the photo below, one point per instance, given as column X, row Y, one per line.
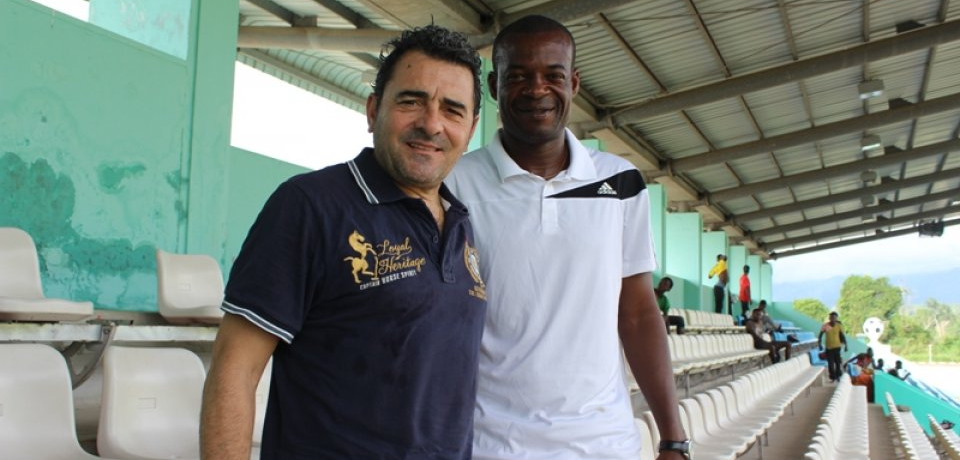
column 391, row 261
column 471, row 258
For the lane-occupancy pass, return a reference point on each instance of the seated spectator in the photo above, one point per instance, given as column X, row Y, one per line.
column 770, row 326
column 946, row 424
column 665, row 285
column 754, row 327
column 863, row 369
column 898, row 371
column 878, row 365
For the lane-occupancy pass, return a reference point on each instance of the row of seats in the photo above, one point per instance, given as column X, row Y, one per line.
column 913, row 439
column 843, row 431
column 693, row 353
column 189, row 286
column 149, row 408
column 705, row 321
column 726, row 421
column 948, row 440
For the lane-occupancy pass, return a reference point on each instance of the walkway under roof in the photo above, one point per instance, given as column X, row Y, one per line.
column 749, row 112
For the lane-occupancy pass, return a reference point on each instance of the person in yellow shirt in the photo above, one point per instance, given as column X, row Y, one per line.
column 836, row 339
column 720, row 289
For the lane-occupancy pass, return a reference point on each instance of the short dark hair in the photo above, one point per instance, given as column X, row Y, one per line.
column 531, row 24
column 667, row 279
column 436, row 42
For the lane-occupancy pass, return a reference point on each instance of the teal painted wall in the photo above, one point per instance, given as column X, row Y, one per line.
column 658, row 203
column 682, row 257
column 260, row 176
column 711, row 244
column 919, row 401
column 766, row 282
column 110, row 149
column 756, row 282
column 91, row 142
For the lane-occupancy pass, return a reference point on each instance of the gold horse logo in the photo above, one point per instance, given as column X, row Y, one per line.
column 359, row 264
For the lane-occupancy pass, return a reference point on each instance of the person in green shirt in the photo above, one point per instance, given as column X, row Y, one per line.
column 665, row 285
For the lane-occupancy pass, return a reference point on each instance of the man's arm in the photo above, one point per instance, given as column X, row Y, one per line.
column 843, row 340
column 240, row 353
column 645, row 345
column 820, row 339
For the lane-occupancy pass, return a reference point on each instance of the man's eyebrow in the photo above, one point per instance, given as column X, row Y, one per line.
column 424, row 95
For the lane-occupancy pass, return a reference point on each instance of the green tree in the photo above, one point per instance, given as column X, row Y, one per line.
column 862, row 297
column 812, row 308
column 936, row 317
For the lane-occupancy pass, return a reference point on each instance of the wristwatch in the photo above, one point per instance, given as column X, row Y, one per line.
column 683, row 447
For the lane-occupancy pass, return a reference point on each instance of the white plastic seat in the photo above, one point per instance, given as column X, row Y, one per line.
column 150, row 406
column 646, row 440
column 189, row 288
column 21, row 291
column 36, row 405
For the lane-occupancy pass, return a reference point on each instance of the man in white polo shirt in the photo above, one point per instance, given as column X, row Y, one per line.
column 568, row 257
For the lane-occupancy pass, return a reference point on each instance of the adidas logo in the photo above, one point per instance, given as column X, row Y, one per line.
column 606, row 189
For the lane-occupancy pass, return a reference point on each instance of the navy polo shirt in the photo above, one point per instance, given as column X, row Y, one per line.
column 379, row 316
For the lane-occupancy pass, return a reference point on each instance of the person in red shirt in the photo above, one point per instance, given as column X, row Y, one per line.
column 745, row 291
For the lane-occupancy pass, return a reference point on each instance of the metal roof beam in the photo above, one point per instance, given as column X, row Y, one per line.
column 884, row 187
column 873, row 210
column 934, row 213
column 565, row 11
column 893, row 156
column 918, row 39
column 805, row 136
column 452, row 14
column 314, row 38
column 851, row 241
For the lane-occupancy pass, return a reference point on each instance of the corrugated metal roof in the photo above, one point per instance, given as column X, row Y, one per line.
column 754, row 39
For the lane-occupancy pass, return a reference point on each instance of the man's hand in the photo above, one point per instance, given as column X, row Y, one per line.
column 820, row 347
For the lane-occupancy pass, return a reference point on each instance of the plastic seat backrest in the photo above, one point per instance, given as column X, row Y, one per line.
column 36, row 405
column 150, row 404
column 646, row 440
column 19, row 265
column 188, row 282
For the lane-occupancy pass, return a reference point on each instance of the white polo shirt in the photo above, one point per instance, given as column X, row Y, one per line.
column 551, row 382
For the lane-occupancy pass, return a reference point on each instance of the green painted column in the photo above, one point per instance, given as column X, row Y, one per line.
column 206, row 159
column 711, row 244
column 489, row 116
column 682, row 258
column 658, row 200
column 766, row 282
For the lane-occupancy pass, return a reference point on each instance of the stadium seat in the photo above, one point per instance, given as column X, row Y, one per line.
column 21, row 291
column 189, row 288
column 36, row 405
column 150, row 406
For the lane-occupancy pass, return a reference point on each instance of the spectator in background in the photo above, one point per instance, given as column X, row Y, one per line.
column 898, row 371
column 754, row 327
column 745, row 295
column 879, row 365
column 863, row 373
column 770, row 326
column 720, row 289
column 836, row 339
column 665, row 285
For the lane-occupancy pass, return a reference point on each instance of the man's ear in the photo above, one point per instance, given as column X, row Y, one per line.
column 372, row 106
column 492, row 84
column 575, row 81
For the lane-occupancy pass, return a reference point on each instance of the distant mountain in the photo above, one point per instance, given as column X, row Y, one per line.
column 941, row 286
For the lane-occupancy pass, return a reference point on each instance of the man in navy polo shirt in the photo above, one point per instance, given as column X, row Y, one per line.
column 362, row 281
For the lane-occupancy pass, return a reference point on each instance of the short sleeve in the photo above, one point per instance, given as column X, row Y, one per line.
column 269, row 283
column 638, row 251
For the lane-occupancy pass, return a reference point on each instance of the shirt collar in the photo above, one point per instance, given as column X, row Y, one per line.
column 581, row 166
column 378, row 187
